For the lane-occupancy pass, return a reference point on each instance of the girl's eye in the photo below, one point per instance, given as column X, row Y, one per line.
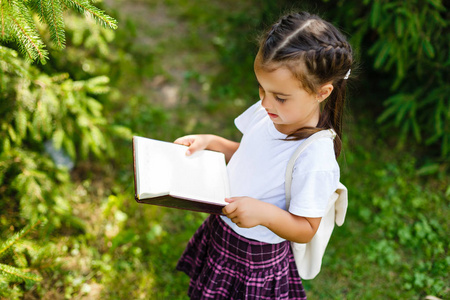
column 281, row 100
column 262, row 94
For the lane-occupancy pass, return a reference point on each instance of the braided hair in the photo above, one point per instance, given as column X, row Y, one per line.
column 316, row 53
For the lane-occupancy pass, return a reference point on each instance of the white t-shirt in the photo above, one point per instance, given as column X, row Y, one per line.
column 257, row 169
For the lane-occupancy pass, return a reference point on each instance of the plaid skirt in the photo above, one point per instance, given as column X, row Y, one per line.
column 225, row 265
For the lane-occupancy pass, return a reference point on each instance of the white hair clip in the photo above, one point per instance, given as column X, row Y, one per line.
column 348, row 74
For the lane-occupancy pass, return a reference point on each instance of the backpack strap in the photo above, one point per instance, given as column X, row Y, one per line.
column 329, row 133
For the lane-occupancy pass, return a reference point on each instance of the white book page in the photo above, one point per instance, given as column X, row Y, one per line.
column 163, row 168
column 153, row 168
column 202, row 176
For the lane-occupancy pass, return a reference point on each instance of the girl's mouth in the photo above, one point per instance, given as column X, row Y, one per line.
column 272, row 116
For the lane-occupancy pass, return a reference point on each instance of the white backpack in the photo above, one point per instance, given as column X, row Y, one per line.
column 308, row 257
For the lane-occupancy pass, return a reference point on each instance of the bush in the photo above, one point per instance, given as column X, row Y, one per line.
column 400, row 44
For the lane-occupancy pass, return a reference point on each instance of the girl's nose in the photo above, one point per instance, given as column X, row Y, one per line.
column 265, row 102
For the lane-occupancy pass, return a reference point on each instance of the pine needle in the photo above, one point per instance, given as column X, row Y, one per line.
column 56, row 23
column 16, row 274
column 25, row 32
column 2, row 16
column 17, row 236
column 85, row 7
column 16, row 20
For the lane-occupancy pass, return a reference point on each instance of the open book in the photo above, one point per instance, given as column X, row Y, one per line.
column 165, row 176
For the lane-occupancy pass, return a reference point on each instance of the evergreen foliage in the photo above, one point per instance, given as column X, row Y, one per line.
column 407, row 41
column 21, row 261
column 42, row 118
column 48, row 122
column 17, row 24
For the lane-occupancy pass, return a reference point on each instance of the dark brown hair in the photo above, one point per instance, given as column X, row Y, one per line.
column 316, row 53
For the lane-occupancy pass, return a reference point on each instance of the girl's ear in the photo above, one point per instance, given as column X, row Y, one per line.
column 324, row 92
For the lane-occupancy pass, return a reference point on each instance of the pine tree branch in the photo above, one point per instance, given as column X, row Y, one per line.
column 17, row 23
column 41, row 9
column 19, row 258
column 2, row 16
column 18, row 274
column 54, row 17
column 6, row 31
column 38, row 7
column 85, row 7
column 17, row 236
column 25, row 31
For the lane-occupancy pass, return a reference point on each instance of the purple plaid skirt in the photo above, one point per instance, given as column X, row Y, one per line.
column 225, row 265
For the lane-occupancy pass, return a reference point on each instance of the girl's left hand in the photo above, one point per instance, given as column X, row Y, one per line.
column 246, row 212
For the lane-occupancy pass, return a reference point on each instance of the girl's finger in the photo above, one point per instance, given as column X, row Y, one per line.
column 232, row 215
column 230, row 200
column 182, row 141
column 194, row 146
column 228, row 209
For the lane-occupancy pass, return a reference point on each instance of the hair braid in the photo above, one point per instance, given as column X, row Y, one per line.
column 316, row 53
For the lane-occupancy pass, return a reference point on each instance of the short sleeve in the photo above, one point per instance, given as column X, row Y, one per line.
column 315, row 179
column 242, row 121
column 311, row 192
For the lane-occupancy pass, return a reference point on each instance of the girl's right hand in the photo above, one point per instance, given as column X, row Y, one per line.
column 194, row 142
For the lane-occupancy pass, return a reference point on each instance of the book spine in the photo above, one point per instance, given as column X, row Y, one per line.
column 134, row 168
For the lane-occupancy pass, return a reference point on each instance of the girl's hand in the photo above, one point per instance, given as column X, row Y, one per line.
column 195, row 142
column 246, row 212
column 199, row 142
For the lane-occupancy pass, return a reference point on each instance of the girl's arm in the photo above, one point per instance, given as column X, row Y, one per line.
column 208, row 141
column 248, row 212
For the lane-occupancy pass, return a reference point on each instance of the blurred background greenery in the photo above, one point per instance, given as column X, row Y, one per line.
column 74, row 89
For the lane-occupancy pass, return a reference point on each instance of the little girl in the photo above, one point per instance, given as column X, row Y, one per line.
column 301, row 67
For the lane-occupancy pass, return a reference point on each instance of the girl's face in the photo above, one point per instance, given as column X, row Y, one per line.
column 288, row 105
